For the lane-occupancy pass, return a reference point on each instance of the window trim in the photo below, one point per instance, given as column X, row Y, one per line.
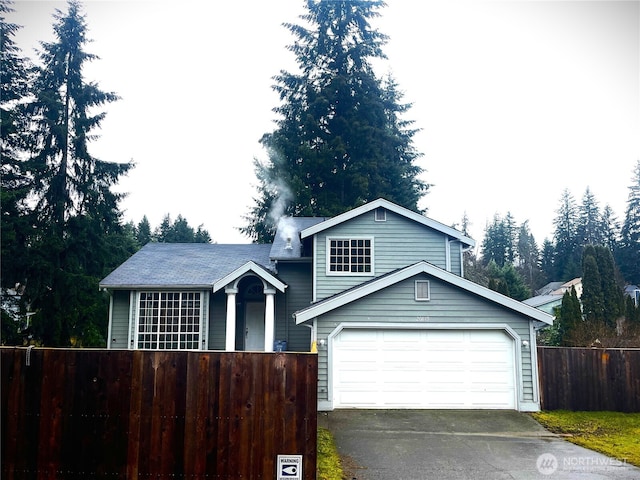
column 418, row 298
column 383, row 214
column 201, row 342
column 350, row 238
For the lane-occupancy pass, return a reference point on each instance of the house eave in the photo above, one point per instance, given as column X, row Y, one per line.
column 349, row 296
column 370, row 206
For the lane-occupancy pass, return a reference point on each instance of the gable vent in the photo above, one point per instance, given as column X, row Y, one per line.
column 381, row 215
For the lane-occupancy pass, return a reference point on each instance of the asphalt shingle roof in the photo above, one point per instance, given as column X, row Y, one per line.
column 185, row 264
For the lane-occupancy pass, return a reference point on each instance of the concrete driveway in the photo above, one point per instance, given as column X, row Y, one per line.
column 460, row 444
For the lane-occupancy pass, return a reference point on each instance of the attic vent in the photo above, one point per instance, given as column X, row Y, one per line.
column 381, row 215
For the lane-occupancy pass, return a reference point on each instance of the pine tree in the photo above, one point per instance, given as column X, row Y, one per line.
column 592, row 294
column 629, row 251
column 528, row 256
column 567, row 254
column 610, row 229
column 568, row 319
column 547, row 258
column 15, row 179
column 340, row 140
column 613, row 298
column 78, row 236
column 589, row 222
column 70, row 180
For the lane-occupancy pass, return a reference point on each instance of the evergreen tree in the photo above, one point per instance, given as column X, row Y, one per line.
column 143, row 231
column 547, row 258
column 629, row 251
column 589, row 222
column 78, row 236
column 14, row 176
column 567, row 255
column 610, row 229
column 498, row 242
column 179, row 231
column 592, row 293
column 507, row 280
column 70, row 181
column 613, row 301
column 568, row 318
column 528, row 256
column 340, row 140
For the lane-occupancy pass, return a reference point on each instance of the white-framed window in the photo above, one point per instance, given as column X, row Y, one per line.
column 381, row 215
column 169, row 320
column 350, row 256
column 423, row 290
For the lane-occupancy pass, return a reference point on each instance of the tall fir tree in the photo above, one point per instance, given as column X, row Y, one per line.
column 610, row 229
column 567, row 253
column 15, row 179
column 528, row 258
column 629, row 246
column 340, row 139
column 589, row 229
column 78, row 236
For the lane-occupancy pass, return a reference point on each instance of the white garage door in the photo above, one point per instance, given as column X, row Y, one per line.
column 466, row 369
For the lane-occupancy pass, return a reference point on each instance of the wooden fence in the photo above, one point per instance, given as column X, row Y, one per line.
column 589, row 379
column 80, row 414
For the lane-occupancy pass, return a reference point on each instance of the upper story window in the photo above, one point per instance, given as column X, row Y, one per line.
column 169, row 320
column 423, row 290
column 381, row 215
column 350, row 256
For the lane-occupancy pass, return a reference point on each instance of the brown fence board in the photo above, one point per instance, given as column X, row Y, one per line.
column 142, row 414
column 589, row 379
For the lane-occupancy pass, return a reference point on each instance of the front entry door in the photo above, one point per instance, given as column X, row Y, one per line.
column 254, row 327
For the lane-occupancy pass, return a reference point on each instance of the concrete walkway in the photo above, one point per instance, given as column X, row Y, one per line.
column 461, row 444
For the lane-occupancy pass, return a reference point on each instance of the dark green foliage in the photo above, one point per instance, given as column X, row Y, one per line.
column 178, row 231
column 602, row 297
column 339, row 141
column 628, row 254
column 507, row 280
column 68, row 235
column 568, row 321
column 632, row 312
column 567, row 254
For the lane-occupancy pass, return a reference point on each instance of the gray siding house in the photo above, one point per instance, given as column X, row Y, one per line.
column 377, row 292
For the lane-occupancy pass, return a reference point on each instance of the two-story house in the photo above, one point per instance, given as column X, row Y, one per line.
column 378, row 292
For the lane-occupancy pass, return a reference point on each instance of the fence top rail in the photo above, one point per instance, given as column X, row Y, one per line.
column 599, row 349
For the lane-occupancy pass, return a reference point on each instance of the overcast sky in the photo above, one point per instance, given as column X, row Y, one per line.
column 516, row 101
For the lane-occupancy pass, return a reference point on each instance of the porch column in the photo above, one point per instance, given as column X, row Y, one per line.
column 230, row 343
column 269, row 319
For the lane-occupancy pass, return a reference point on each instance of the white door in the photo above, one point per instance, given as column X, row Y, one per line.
column 466, row 369
column 254, row 327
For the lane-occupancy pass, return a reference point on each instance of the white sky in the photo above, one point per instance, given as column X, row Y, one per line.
column 517, row 100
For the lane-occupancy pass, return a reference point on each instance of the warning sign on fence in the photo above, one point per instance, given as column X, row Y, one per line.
column 289, row 467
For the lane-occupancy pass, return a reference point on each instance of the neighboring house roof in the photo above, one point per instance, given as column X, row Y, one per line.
column 541, row 300
column 370, row 206
column 391, row 278
column 548, row 288
column 287, row 244
column 188, row 265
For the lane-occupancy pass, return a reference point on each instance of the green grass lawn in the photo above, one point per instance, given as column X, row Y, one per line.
column 614, row 434
column 329, row 465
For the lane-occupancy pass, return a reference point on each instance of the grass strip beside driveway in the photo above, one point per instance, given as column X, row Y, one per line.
column 614, row 434
column 329, row 464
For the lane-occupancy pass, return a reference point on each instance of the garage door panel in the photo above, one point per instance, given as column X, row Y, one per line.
column 423, row 369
